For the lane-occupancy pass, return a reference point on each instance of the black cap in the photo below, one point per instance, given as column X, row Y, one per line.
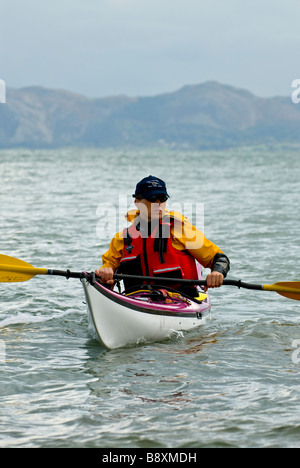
column 150, row 186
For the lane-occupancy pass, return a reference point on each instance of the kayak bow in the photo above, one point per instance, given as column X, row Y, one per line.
column 117, row 320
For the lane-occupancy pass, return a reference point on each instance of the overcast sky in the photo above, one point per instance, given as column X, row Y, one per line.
column 146, row 47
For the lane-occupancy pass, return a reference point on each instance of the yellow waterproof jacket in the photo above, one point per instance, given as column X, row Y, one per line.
column 184, row 236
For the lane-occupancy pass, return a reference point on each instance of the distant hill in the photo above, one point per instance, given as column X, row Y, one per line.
column 204, row 116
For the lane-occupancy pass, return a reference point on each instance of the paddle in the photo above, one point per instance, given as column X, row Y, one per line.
column 15, row 270
column 290, row 289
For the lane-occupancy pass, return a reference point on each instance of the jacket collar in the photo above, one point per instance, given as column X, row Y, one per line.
column 133, row 216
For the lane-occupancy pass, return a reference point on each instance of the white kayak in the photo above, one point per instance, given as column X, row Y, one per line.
column 119, row 319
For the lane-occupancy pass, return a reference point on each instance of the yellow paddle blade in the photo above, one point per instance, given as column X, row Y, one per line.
column 290, row 289
column 15, row 270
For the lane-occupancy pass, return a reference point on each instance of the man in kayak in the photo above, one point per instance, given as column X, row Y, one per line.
column 161, row 243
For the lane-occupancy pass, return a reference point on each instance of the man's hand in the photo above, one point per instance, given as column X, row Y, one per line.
column 106, row 275
column 214, row 280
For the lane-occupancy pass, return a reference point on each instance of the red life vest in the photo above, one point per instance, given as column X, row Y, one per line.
column 155, row 255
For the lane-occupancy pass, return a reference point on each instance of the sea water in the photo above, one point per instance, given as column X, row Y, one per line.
column 232, row 383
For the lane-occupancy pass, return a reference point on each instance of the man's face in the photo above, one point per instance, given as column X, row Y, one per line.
column 150, row 210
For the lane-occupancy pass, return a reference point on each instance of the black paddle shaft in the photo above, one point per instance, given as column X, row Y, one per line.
column 67, row 274
column 237, row 283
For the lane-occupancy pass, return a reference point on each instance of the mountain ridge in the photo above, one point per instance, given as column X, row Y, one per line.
column 210, row 115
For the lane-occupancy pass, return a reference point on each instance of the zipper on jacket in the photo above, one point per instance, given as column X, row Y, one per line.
column 160, row 244
column 145, row 255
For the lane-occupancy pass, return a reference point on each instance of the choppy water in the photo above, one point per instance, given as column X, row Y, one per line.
column 233, row 383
